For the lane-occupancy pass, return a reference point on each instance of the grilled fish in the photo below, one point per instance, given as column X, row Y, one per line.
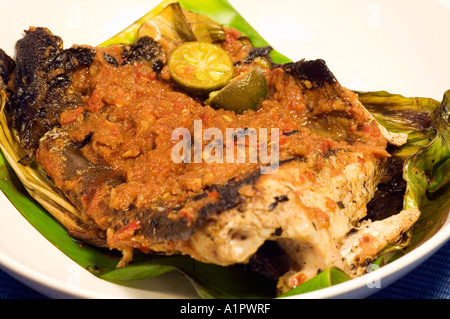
column 99, row 122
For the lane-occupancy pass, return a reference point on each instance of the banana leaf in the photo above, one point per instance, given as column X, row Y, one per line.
column 425, row 158
column 425, row 166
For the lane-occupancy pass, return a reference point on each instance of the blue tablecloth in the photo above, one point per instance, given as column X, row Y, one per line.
column 430, row 280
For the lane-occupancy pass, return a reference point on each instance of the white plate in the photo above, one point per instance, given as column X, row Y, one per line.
column 399, row 46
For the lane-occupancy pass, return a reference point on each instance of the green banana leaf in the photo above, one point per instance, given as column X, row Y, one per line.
column 425, row 159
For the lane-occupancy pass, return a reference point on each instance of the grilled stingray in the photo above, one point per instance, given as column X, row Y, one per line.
column 99, row 121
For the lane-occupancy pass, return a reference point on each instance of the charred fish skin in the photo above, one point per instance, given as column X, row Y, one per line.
column 144, row 48
column 315, row 71
column 40, row 83
column 7, row 66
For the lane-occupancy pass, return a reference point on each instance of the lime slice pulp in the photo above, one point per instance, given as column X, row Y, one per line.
column 200, row 67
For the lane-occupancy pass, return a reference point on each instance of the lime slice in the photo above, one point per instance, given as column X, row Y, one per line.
column 200, row 67
column 243, row 93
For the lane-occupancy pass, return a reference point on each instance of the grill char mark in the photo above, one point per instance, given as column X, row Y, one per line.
column 158, row 225
column 315, row 71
